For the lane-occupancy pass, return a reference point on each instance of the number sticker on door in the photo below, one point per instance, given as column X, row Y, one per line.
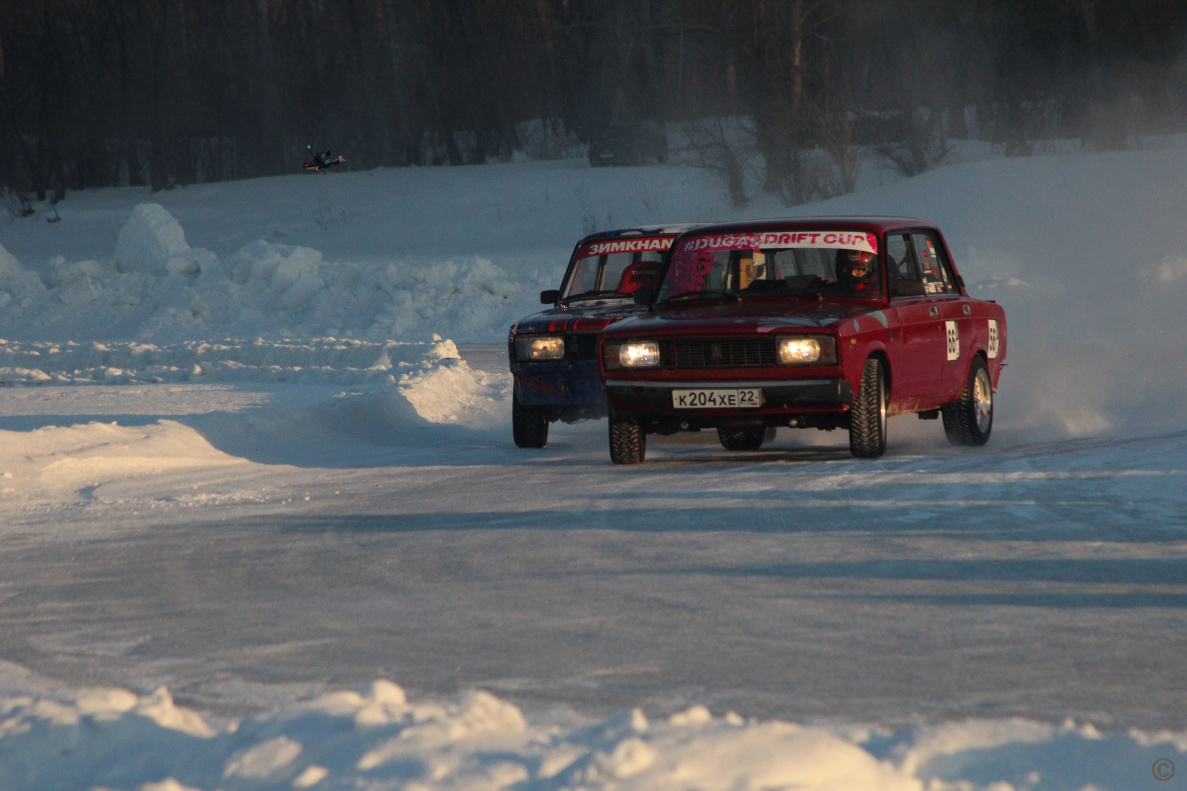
column 993, row 339
column 953, row 340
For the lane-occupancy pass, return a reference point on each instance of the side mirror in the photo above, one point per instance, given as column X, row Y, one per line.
column 643, row 296
column 550, row 297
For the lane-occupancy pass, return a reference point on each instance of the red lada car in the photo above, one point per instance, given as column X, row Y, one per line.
column 804, row 323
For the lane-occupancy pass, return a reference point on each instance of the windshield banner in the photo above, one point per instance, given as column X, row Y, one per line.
column 833, row 240
column 625, row 246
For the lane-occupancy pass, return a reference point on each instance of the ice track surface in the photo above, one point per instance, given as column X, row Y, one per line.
column 246, row 568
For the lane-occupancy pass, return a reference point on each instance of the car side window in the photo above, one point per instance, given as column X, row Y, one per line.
column 904, row 276
column 937, row 278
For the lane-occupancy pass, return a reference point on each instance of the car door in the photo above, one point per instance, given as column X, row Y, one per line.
column 953, row 313
column 922, row 342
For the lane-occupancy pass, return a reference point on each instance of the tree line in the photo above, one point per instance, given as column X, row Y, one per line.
column 95, row 93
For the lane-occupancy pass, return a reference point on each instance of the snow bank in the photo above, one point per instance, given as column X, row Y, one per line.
column 152, row 241
column 444, row 389
column 377, row 739
column 1009, row 755
column 319, row 360
column 157, row 287
column 431, row 376
column 397, row 392
column 15, row 282
column 67, row 464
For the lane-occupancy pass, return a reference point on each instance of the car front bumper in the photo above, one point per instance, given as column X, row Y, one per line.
column 559, row 384
column 786, row 397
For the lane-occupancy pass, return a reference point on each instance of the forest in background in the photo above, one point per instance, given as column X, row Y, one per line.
column 97, row 93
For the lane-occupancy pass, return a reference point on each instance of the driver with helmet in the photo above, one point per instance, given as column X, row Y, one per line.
column 857, row 271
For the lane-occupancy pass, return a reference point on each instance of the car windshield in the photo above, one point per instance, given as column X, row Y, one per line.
column 810, row 264
column 615, row 267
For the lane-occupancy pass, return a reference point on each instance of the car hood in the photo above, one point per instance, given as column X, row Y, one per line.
column 747, row 316
column 582, row 317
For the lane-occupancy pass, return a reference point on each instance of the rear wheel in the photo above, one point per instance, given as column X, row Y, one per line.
column 628, row 442
column 745, row 438
column 529, row 426
column 969, row 419
column 867, row 419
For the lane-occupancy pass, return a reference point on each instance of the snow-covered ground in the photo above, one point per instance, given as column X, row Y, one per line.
column 257, row 471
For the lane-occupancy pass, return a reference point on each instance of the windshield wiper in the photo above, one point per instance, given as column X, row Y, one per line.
column 595, row 295
column 810, row 293
column 780, row 288
column 704, row 295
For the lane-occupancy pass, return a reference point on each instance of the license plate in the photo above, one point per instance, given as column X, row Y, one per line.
column 742, row 397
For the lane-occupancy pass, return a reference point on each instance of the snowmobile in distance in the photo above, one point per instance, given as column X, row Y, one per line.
column 322, row 159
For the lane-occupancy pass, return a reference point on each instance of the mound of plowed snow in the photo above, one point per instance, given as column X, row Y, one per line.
column 378, row 739
column 156, row 287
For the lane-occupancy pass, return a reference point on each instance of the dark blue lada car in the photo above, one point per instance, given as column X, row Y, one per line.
column 554, row 353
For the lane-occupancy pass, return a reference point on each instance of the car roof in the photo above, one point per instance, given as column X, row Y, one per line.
column 672, row 229
column 828, row 223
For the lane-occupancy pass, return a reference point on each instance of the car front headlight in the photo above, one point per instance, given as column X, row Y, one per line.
column 807, row 350
column 532, row 348
column 639, row 354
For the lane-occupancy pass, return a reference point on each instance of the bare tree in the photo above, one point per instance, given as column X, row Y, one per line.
column 101, row 92
column 725, row 150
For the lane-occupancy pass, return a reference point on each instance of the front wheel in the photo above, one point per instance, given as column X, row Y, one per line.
column 628, row 442
column 867, row 419
column 529, row 426
column 969, row 419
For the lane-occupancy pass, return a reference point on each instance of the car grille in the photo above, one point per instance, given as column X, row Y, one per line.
column 581, row 346
column 724, row 353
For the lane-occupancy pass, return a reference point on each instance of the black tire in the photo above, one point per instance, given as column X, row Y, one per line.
column 628, row 442
column 867, row 419
column 969, row 419
column 529, row 426
column 742, row 438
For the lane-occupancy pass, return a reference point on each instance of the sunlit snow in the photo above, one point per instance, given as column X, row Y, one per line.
column 257, row 472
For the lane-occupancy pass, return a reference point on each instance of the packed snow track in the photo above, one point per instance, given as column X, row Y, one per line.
column 250, row 549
